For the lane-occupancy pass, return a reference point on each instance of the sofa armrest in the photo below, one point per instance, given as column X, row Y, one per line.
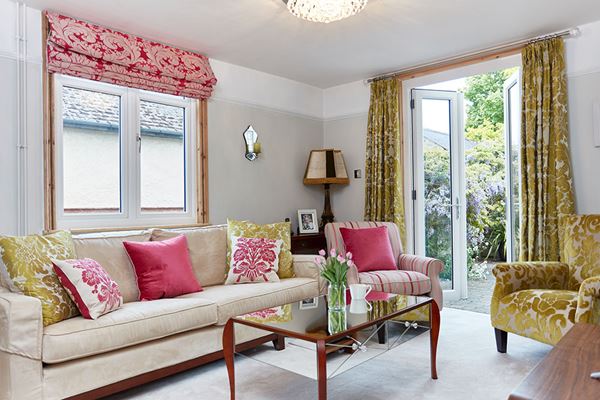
column 20, row 346
column 20, row 325
column 588, row 302
column 427, row 266
column 305, row 266
column 512, row 277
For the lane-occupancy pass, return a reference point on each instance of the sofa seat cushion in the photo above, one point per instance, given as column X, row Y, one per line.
column 398, row 281
column 234, row 300
column 541, row 314
column 134, row 323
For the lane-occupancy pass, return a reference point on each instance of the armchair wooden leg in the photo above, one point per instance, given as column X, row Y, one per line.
column 501, row 340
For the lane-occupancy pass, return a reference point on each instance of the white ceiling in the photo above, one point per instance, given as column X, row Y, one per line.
column 388, row 35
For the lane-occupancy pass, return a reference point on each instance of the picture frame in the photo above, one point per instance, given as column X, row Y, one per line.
column 308, row 304
column 307, row 221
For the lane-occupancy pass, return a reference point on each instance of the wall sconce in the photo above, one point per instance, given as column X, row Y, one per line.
column 252, row 145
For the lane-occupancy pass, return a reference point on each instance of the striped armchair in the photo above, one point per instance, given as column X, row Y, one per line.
column 416, row 275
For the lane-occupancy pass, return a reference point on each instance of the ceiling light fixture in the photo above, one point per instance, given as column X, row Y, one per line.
column 325, row 11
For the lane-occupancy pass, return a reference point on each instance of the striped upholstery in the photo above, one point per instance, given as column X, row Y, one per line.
column 416, row 275
column 400, row 282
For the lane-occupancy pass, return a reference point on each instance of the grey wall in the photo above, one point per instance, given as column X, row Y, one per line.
column 270, row 188
column 585, row 158
column 349, row 135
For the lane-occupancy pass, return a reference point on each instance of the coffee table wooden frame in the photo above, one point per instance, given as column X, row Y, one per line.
column 229, row 346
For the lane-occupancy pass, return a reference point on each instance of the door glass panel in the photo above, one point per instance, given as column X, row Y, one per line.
column 91, row 151
column 162, row 165
column 438, row 184
column 514, row 113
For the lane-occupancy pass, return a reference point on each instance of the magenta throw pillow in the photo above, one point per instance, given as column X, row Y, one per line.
column 163, row 269
column 370, row 247
column 89, row 286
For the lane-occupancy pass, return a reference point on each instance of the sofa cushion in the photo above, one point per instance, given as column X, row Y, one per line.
column 134, row 323
column 234, row 300
column 208, row 251
column 107, row 249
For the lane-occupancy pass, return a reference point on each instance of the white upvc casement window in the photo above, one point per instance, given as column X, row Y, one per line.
column 123, row 157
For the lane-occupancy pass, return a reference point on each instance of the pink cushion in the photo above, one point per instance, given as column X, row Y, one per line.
column 370, row 247
column 163, row 268
column 89, row 285
column 253, row 260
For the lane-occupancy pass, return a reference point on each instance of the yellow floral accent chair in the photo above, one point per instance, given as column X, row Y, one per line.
column 543, row 300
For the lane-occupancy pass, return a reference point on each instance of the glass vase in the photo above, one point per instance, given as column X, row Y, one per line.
column 336, row 321
column 336, row 296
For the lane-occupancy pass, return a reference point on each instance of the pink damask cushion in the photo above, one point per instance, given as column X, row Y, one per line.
column 370, row 247
column 163, row 269
column 253, row 260
column 89, row 286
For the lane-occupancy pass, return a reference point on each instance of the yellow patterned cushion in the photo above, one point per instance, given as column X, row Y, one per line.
column 27, row 261
column 277, row 231
column 581, row 247
column 540, row 314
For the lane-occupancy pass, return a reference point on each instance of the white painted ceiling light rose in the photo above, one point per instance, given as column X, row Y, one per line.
column 325, row 11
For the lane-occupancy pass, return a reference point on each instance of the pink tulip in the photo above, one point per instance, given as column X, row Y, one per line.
column 341, row 259
column 349, row 256
column 350, row 263
column 322, row 253
column 333, row 253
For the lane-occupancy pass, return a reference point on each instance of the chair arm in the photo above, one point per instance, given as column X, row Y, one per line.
column 588, row 302
column 431, row 267
column 20, row 346
column 305, row 266
column 512, row 277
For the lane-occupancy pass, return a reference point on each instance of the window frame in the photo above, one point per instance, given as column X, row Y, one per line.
column 131, row 214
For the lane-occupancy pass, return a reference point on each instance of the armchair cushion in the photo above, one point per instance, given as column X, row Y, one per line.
column 581, row 247
column 399, row 282
column 541, row 314
column 370, row 248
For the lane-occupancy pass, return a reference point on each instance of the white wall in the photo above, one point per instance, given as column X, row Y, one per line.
column 286, row 114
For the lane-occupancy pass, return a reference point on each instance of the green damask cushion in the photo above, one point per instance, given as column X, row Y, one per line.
column 28, row 264
column 277, row 231
column 581, row 247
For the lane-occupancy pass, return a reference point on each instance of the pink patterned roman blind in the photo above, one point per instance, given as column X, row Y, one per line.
column 85, row 50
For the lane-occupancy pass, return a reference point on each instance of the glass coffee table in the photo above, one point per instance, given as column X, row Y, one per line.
column 360, row 327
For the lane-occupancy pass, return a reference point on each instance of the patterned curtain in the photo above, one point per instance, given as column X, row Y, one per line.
column 384, row 181
column 547, row 187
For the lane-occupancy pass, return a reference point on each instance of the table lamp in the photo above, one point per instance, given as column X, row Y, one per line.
column 326, row 167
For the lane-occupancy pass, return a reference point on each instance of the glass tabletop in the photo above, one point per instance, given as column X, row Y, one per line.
column 311, row 319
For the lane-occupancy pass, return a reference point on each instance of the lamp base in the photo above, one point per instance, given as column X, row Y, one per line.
column 327, row 215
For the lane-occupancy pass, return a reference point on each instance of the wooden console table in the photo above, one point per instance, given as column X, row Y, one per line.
column 565, row 372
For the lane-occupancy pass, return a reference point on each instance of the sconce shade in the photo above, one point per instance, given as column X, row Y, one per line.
column 326, row 166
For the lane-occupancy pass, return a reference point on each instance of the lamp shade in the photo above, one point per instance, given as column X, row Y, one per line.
column 326, row 166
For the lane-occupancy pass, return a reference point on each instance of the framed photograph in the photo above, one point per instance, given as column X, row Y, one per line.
column 307, row 221
column 307, row 304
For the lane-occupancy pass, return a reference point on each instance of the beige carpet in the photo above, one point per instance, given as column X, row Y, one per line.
column 468, row 367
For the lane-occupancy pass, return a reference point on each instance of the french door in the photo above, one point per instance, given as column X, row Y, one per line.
column 439, row 205
column 512, row 134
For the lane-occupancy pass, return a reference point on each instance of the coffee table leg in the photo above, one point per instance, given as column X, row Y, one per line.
column 228, row 354
column 322, row 369
column 434, row 333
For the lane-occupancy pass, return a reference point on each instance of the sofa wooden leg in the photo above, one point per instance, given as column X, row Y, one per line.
column 501, row 340
column 279, row 343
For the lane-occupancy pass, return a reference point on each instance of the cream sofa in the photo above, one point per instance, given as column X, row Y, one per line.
column 141, row 341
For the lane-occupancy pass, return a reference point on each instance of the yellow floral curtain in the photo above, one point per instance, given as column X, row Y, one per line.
column 547, row 187
column 384, row 183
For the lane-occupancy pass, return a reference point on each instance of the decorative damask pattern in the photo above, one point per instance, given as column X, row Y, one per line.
column 581, row 247
column 384, row 183
column 547, row 186
column 29, row 266
column 89, row 286
column 588, row 303
column 91, row 51
column 254, row 260
column 277, row 231
column 275, row 314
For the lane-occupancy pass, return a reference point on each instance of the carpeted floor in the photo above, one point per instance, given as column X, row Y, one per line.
column 468, row 366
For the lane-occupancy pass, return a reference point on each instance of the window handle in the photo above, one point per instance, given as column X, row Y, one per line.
column 139, row 141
